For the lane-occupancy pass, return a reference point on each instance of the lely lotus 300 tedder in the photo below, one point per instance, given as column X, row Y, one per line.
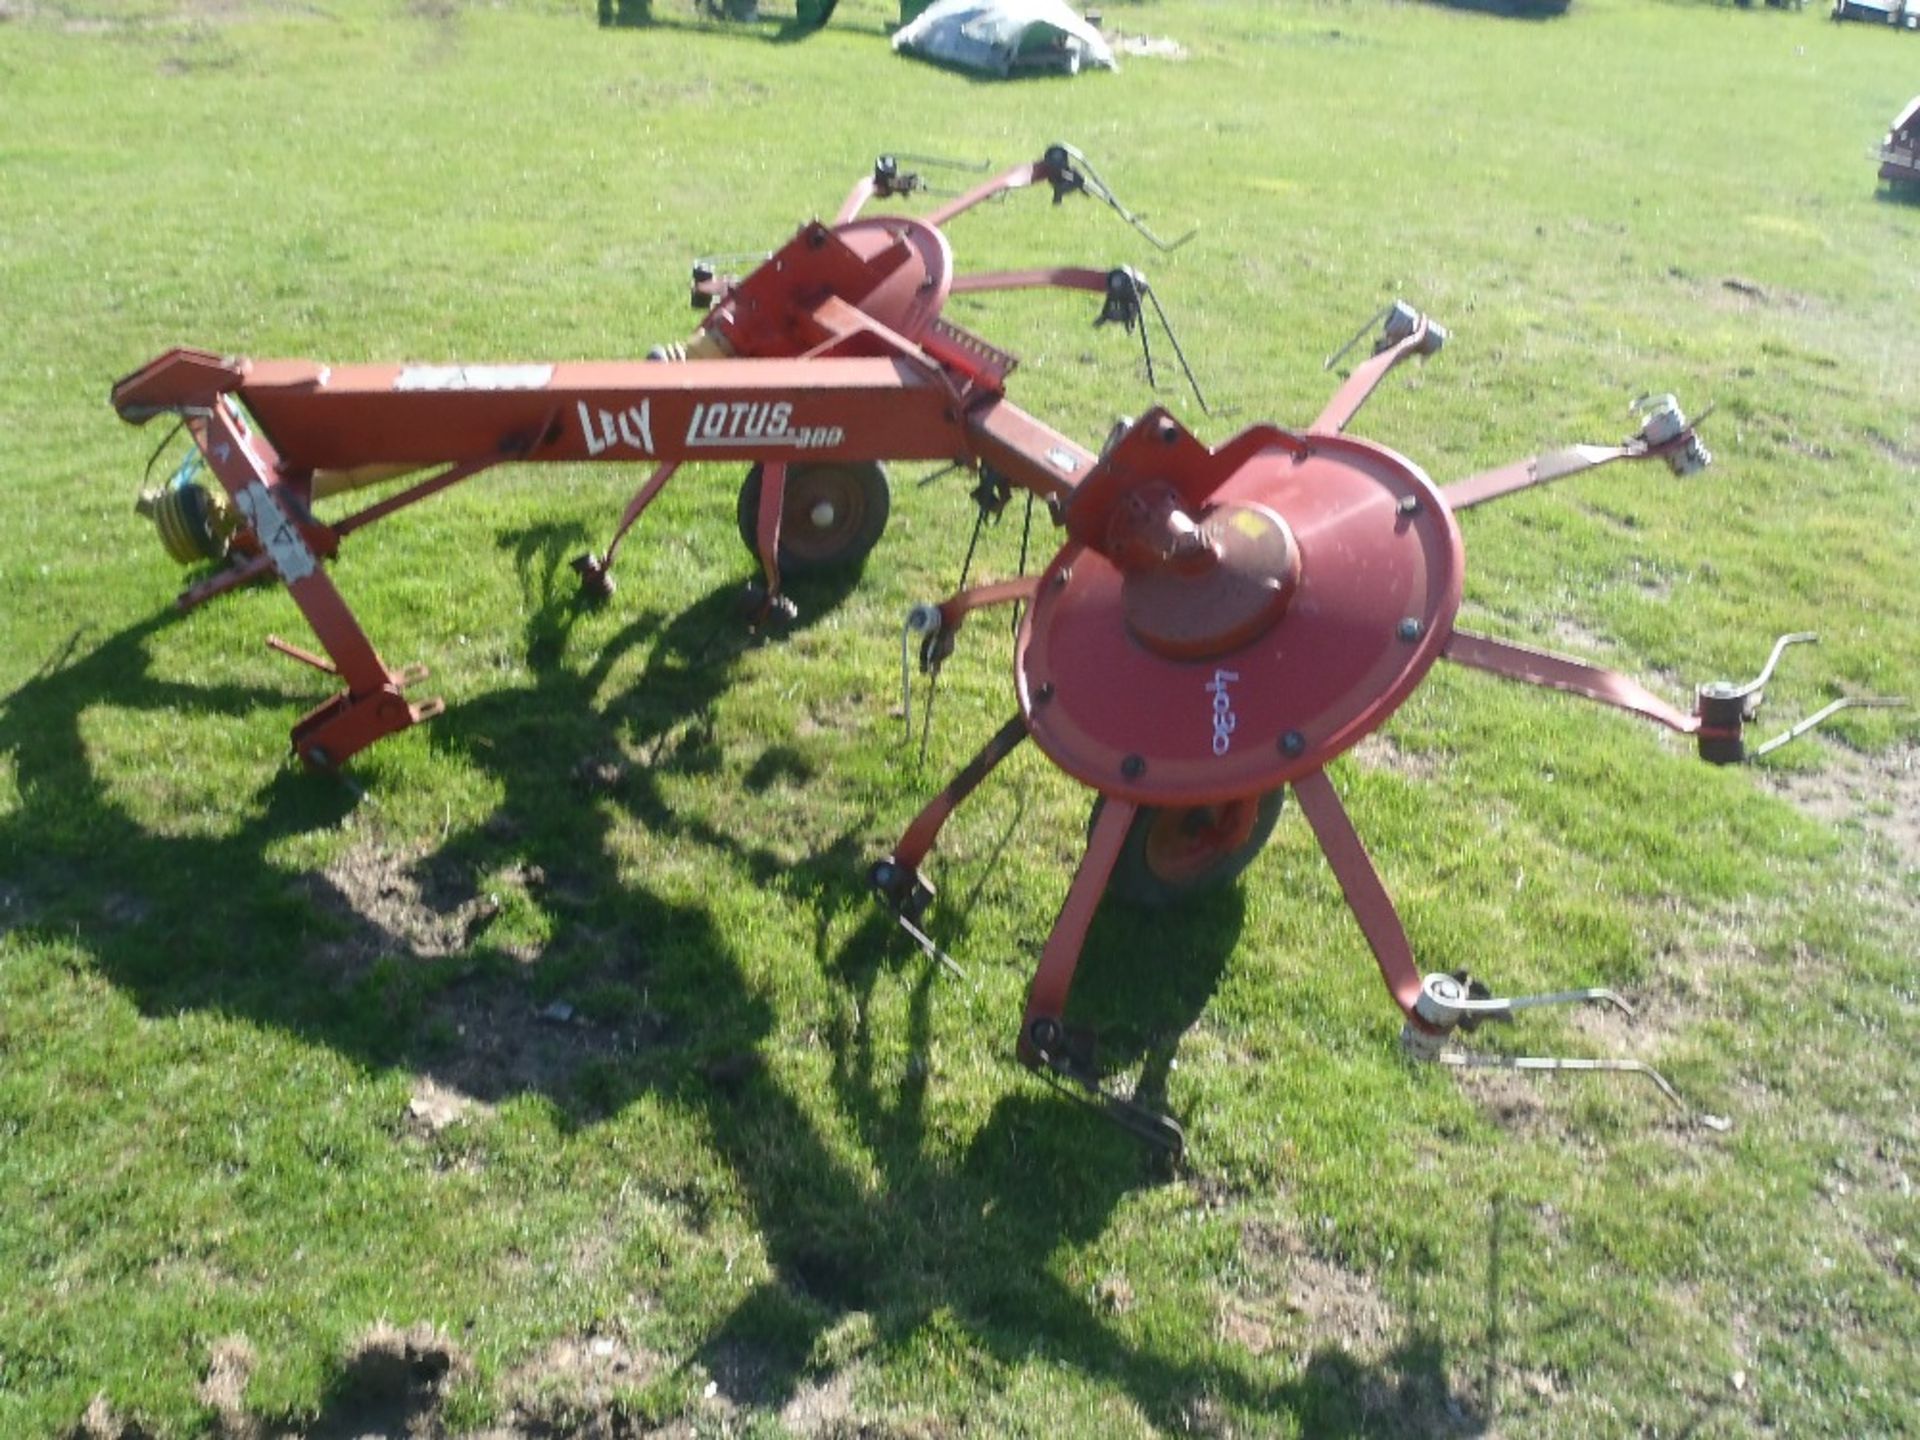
column 1219, row 624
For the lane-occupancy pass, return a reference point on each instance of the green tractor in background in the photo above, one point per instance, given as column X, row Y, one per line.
column 808, row 15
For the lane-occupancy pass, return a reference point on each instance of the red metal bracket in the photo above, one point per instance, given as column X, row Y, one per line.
column 372, row 705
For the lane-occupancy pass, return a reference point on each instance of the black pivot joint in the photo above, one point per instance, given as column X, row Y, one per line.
column 1125, row 288
column 1062, row 174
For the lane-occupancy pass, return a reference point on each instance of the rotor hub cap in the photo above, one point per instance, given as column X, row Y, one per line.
column 1207, row 611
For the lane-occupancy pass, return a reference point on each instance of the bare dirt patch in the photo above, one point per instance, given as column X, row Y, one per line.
column 1515, row 1102
column 1338, row 1328
column 504, row 1043
column 1880, row 793
column 1380, row 752
column 434, row 1108
column 1309, row 1302
column 223, row 1389
column 393, row 1384
column 1568, row 633
column 822, row 1407
column 487, row 1034
column 1894, row 449
column 1738, row 292
column 102, row 1422
column 400, row 905
column 573, row 1387
column 1336, row 1304
column 1247, row 1327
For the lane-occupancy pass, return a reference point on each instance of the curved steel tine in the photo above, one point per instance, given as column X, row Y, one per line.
column 1180, row 354
column 1358, row 335
column 927, row 945
column 977, row 167
column 1480, row 1060
column 1099, row 187
column 1799, row 637
column 1597, row 993
column 1845, row 702
column 1448, row 1000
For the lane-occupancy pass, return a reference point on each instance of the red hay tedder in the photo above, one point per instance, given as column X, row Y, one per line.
column 1218, row 625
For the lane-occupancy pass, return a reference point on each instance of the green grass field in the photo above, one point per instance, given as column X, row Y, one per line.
column 285, row 1146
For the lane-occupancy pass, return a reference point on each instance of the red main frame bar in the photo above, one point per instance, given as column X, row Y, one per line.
column 321, row 417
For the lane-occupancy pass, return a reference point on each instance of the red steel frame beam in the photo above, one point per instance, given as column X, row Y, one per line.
column 1366, row 378
column 310, row 417
column 1561, row 672
column 1539, row 470
column 862, row 392
column 341, row 417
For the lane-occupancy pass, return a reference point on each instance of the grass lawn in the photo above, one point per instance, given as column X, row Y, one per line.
column 289, row 1141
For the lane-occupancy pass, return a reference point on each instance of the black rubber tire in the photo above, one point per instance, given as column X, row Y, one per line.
column 861, row 495
column 189, row 521
column 1144, row 877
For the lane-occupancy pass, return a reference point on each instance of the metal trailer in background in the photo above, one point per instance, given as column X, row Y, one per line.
column 1899, row 153
column 1903, row 13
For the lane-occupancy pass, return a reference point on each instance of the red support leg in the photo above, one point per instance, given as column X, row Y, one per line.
column 372, row 705
column 1046, row 1044
column 1372, row 906
column 897, row 879
column 642, row 498
column 596, row 571
column 1041, row 1026
column 773, row 498
column 915, row 845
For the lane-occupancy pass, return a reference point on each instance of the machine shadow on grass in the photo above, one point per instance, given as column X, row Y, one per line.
column 951, row 1237
column 142, row 901
column 963, row 1239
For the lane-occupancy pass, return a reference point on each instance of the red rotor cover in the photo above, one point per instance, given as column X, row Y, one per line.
column 1371, row 585
column 891, row 269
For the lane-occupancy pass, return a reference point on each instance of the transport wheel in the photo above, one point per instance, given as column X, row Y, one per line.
column 1170, row 854
column 833, row 514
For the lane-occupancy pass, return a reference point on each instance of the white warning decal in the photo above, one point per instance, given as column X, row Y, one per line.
column 474, row 377
column 285, row 548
